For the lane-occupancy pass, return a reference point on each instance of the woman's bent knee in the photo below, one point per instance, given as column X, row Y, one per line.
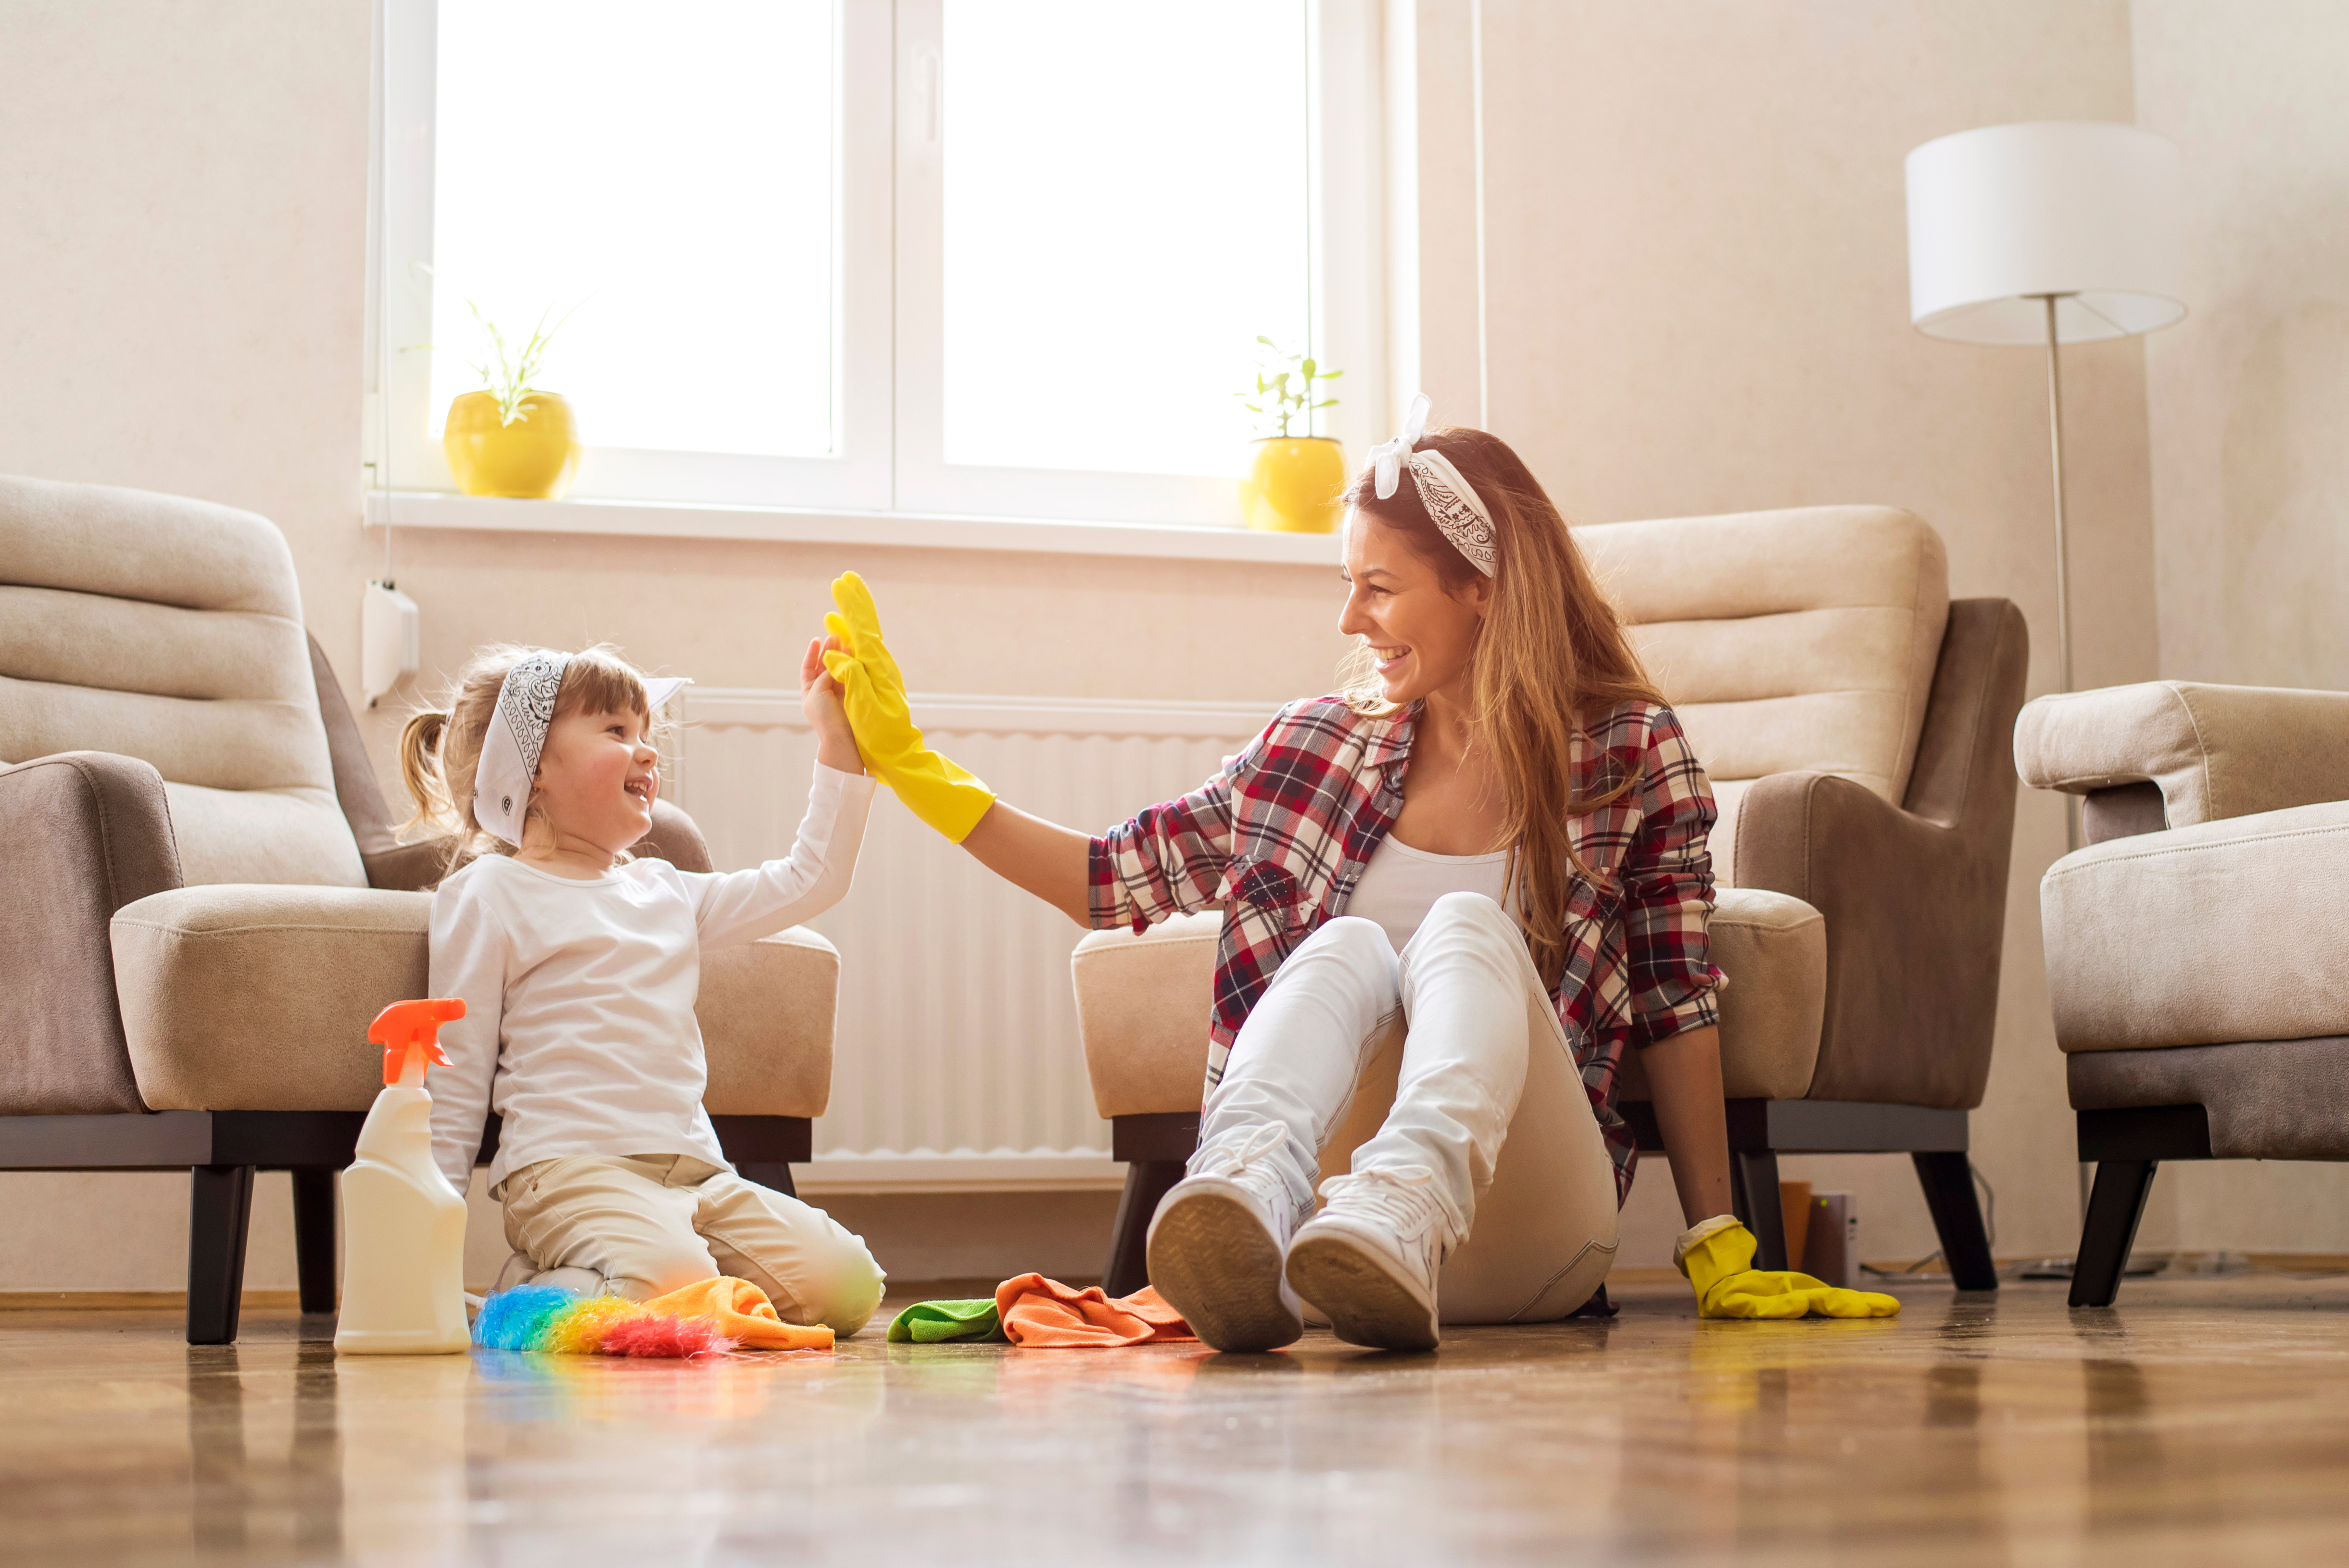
column 1359, row 946
column 1470, row 910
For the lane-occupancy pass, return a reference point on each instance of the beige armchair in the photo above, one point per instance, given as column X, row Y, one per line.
column 2200, row 987
column 202, row 904
column 1856, row 726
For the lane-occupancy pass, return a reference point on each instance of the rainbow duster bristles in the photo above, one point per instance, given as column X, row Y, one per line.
column 556, row 1322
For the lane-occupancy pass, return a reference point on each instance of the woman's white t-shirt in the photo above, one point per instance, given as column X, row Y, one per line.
column 1400, row 885
column 579, row 1027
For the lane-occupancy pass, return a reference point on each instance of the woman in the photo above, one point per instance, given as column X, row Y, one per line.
column 1488, row 850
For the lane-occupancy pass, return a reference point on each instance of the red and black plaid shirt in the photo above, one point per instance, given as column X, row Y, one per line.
column 1280, row 838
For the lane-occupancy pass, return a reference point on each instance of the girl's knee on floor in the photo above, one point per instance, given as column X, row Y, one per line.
column 812, row 1267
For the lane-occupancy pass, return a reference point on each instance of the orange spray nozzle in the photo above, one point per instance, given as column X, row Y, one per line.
column 413, row 1026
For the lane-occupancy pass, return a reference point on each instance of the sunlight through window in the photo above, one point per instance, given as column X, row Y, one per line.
column 662, row 174
column 1127, row 194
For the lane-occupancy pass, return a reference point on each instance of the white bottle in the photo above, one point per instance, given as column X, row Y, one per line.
column 404, row 1225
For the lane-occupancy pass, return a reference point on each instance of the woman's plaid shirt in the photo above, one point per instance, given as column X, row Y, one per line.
column 1280, row 838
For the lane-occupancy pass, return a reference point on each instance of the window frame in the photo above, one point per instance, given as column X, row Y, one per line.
column 888, row 314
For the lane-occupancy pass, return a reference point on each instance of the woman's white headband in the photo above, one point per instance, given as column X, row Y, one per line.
column 517, row 736
column 1449, row 499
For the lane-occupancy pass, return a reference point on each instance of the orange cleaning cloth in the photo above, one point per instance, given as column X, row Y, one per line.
column 1042, row 1314
column 742, row 1313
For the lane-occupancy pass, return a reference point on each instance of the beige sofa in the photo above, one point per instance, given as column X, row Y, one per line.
column 1856, row 724
column 202, row 904
column 2200, row 983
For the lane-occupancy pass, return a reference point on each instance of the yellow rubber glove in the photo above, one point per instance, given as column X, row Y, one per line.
column 1719, row 1263
column 947, row 797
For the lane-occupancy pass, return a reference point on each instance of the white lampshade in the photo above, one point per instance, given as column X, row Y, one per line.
column 2074, row 208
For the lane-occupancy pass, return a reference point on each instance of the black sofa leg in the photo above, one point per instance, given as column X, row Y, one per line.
column 1948, row 1178
column 2115, row 1206
column 314, row 1237
column 1146, row 1181
column 1753, row 1198
column 773, row 1175
column 219, row 1204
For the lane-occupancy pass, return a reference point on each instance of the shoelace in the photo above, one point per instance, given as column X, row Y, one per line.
column 1399, row 1198
column 1229, row 1160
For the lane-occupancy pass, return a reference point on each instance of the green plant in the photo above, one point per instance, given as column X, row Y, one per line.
column 1287, row 394
column 511, row 378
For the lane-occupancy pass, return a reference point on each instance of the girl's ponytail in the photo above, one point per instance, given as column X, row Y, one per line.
column 420, row 770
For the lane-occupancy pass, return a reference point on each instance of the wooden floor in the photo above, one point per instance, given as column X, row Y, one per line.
column 2201, row 1421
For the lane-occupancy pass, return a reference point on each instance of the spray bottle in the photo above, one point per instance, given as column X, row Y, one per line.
column 404, row 1253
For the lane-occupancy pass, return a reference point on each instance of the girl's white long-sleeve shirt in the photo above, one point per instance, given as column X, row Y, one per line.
column 579, row 1027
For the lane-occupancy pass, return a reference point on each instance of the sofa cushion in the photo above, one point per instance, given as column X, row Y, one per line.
column 1795, row 640
column 2214, row 751
column 171, row 630
column 2200, row 935
column 258, row 998
column 1142, row 1004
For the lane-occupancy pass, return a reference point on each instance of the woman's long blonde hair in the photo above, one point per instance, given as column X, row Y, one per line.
column 1551, row 659
column 440, row 748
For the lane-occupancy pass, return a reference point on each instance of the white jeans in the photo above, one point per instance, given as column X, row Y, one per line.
column 641, row 1226
column 1450, row 1059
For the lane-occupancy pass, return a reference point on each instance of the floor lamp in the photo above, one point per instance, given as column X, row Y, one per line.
column 2049, row 233
column 2053, row 232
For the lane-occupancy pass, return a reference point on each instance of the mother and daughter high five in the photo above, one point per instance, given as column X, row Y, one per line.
column 1486, row 852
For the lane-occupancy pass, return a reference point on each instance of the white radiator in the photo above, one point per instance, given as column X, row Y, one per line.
column 958, row 1065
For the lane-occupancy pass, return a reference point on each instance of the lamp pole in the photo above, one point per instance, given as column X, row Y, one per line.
column 2063, row 551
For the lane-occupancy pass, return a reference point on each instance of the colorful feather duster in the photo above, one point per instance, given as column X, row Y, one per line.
column 706, row 1318
column 563, row 1322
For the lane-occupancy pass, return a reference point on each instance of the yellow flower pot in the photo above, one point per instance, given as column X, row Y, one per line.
column 1293, row 485
column 534, row 457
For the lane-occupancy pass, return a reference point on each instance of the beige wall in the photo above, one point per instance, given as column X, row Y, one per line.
column 1697, row 303
column 2248, row 400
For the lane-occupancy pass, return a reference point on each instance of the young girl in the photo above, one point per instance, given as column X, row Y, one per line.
column 579, row 968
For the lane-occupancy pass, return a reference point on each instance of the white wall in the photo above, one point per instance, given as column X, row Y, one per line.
column 2248, row 400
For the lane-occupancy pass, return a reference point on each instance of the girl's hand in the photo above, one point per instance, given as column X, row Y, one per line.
column 947, row 797
column 820, row 695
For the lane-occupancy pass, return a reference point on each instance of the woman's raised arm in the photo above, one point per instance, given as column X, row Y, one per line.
column 1043, row 857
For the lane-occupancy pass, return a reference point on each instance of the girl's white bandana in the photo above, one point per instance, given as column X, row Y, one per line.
column 517, row 735
column 1449, row 499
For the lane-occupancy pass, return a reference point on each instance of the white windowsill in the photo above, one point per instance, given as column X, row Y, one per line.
column 683, row 520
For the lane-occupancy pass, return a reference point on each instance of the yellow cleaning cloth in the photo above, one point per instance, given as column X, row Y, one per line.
column 743, row 1313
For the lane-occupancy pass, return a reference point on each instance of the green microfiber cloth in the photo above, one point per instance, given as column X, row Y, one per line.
column 929, row 1323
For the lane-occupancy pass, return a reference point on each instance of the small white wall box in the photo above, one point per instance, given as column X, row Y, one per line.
column 390, row 644
column 1832, row 1252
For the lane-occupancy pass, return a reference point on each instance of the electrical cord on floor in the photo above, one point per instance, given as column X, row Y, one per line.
column 1990, row 1226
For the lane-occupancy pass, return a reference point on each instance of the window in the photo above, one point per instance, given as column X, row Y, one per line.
column 984, row 257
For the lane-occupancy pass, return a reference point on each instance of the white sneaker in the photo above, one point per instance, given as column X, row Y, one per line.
column 1215, row 1247
column 1369, row 1260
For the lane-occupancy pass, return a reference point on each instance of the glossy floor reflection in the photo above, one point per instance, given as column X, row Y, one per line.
column 2200, row 1421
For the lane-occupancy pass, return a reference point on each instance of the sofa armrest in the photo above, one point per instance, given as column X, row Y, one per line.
column 2214, row 751
column 1914, row 896
column 87, row 832
column 767, row 1010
